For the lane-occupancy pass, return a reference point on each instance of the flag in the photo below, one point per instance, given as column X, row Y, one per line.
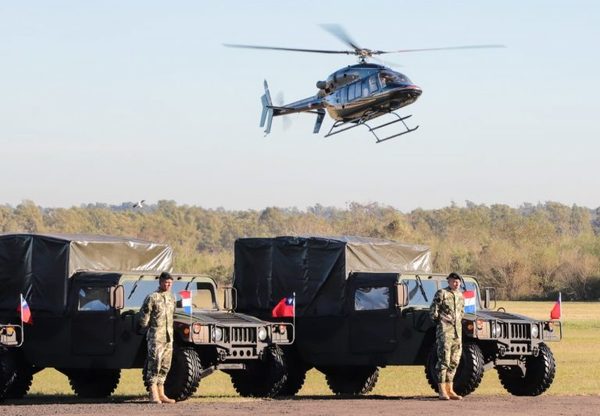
column 285, row 308
column 186, row 301
column 470, row 301
column 556, row 311
column 25, row 311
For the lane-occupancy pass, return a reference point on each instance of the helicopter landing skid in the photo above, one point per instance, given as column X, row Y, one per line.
column 338, row 127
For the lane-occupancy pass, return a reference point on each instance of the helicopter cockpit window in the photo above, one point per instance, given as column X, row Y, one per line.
column 386, row 78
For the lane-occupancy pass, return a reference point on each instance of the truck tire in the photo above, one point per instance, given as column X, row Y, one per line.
column 261, row 378
column 93, row 383
column 185, row 373
column 7, row 374
column 351, row 380
column 469, row 373
column 21, row 374
column 296, row 372
column 539, row 374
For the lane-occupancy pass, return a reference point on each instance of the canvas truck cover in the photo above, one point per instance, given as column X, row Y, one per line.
column 315, row 268
column 39, row 266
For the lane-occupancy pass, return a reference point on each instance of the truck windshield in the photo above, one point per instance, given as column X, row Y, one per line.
column 415, row 294
column 202, row 294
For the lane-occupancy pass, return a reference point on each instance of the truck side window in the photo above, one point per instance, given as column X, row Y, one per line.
column 94, row 299
column 371, row 298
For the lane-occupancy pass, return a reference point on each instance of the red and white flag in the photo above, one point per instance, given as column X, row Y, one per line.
column 556, row 311
column 186, row 301
column 25, row 311
column 285, row 308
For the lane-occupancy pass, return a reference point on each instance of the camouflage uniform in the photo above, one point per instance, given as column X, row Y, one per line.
column 447, row 309
column 157, row 315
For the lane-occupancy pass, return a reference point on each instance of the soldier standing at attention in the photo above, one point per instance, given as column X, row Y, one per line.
column 447, row 310
column 157, row 316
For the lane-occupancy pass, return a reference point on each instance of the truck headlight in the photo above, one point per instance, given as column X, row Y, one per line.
column 535, row 331
column 262, row 334
column 495, row 329
column 217, row 334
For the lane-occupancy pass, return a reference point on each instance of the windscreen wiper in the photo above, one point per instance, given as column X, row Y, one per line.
column 190, row 282
column 134, row 287
column 420, row 284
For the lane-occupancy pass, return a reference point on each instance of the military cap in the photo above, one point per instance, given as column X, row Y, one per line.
column 165, row 276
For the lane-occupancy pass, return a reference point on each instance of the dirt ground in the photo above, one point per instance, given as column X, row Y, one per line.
column 326, row 405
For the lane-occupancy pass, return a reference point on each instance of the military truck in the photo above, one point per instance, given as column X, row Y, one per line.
column 363, row 303
column 85, row 292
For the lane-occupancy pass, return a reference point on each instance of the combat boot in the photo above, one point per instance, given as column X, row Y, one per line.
column 443, row 395
column 451, row 393
column 154, row 397
column 162, row 396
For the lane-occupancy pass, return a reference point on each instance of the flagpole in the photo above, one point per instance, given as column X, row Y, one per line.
column 560, row 304
column 294, row 317
column 22, row 325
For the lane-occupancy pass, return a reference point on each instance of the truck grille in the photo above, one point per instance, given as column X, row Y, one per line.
column 514, row 331
column 242, row 335
column 520, row 331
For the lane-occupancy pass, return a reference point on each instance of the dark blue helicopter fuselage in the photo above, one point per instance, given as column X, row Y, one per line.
column 365, row 91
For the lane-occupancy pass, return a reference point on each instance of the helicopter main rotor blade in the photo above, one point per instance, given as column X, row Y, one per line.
column 440, row 49
column 275, row 48
column 341, row 34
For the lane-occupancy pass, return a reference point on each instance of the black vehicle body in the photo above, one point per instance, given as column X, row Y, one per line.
column 85, row 293
column 360, row 305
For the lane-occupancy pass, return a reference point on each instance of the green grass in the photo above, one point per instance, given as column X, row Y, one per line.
column 577, row 356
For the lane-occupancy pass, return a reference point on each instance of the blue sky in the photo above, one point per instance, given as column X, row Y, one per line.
column 117, row 101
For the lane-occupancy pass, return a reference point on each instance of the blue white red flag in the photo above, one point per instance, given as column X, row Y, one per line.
column 556, row 311
column 25, row 311
column 285, row 308
column 186, row 301
column 470, row 301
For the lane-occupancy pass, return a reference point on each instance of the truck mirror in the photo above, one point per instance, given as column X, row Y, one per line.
column 489, row 297
column 117, row 297
column 229, row 299
column 401, row 295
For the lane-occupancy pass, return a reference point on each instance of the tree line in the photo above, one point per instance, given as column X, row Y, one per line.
column 528, row 252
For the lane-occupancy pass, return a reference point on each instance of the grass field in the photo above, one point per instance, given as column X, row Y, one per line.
column 577, row 356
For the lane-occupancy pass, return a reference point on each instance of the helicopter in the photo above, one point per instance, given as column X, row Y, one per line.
column 355, row 95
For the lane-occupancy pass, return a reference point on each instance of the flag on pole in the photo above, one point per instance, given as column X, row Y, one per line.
column 470, row 301
column 186, row 301
column 285, row 308
column 25, row 311
column 556, row 311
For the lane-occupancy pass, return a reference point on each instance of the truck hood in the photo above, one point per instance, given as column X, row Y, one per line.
column 219, row 317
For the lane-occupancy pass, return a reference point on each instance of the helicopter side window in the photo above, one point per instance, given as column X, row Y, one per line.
column 350, row 92
column 372, row 83
column 365, row 88
column 358, row 89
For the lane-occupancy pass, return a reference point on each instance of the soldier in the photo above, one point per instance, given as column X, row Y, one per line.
column 157, row 316
column 447, row 310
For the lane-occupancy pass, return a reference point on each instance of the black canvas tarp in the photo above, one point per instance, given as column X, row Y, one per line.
column 39, row 266
column 315, row 269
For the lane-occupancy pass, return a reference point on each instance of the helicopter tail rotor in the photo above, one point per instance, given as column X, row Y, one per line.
column 267, row 110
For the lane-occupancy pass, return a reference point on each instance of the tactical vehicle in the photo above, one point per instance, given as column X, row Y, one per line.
column 364, row 303
column 85, row 292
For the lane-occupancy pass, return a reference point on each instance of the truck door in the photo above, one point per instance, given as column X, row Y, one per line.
column 373, row 312
column 93, row 318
